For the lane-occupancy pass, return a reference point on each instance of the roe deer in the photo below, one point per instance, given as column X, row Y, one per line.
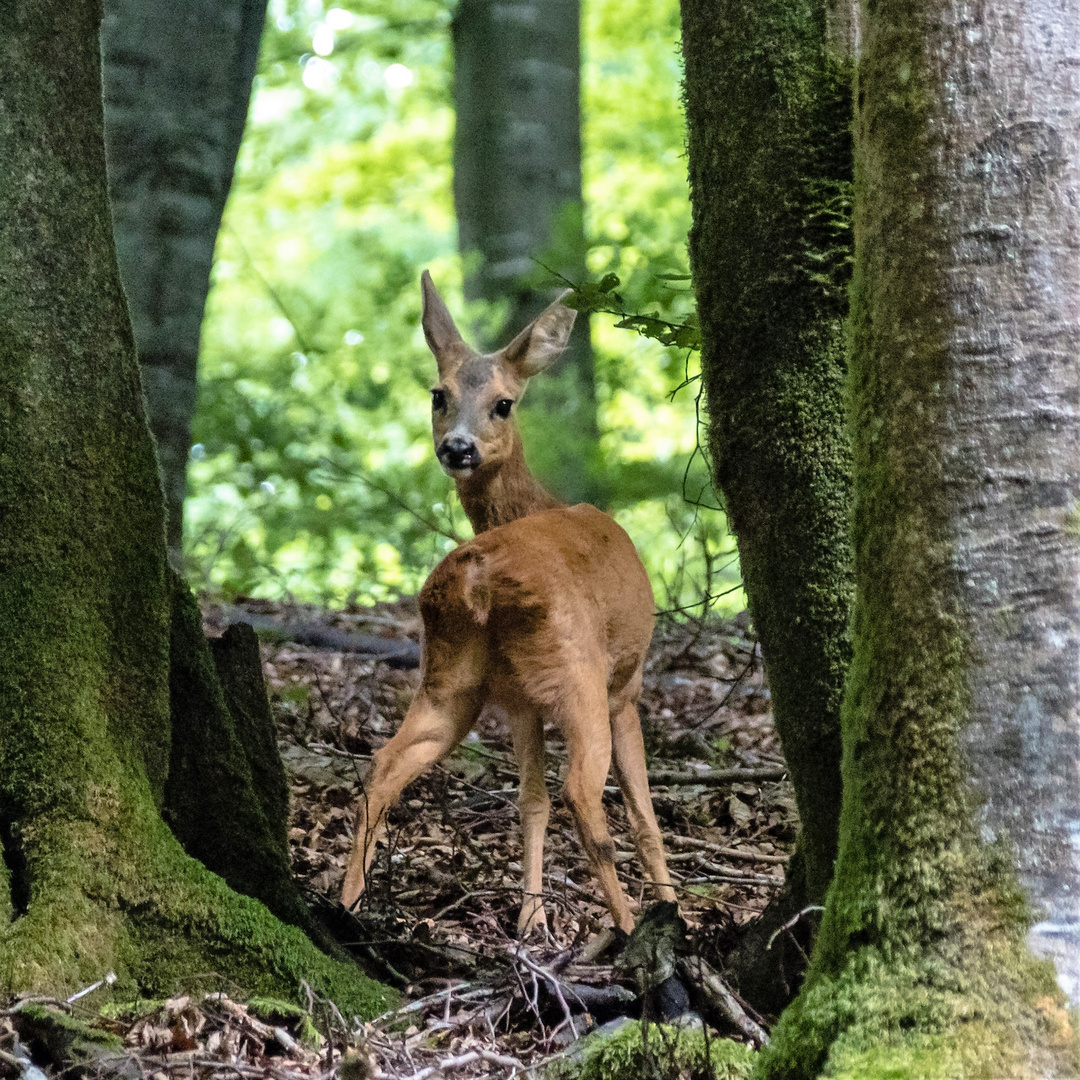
column 547, row 613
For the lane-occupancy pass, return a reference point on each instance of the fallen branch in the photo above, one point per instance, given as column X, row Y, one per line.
column 676, row 777
column 728, row 852
column 595, row 999
column 518, row 954
column 189, row 1061
column 719, row 996
column 459, row 1062
column 464, row 992
column 718, row 873
column 398, row 652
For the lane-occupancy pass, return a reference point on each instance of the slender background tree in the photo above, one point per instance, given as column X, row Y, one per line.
column 517, row 193
column 961, row 731
column 177, row 84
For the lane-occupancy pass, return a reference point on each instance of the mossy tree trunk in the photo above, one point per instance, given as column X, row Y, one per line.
column 961, row 729
column 93, row 878
column 768, row 105
column 177, row 84
column 517, row 193
column 226, row 796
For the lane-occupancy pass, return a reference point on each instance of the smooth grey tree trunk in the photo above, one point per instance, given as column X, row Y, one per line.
column 961, row 716
column 177, row 84
column 1011, row 163
column 517, row 192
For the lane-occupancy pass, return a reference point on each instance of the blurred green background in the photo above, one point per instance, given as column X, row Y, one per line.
column 312, row 476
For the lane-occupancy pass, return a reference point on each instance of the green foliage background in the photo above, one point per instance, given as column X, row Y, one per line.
column 312, row 474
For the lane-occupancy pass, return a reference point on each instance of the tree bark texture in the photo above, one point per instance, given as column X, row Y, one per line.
column 1012, row 445
column 517, row 192
column 768, row 105
column 226, row 797
column 961, row 716
column 93, row 879
column 177, row 84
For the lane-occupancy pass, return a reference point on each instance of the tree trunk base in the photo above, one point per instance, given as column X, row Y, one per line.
column 768, row 963
column 101, row 883
column 973, row 1010
column 118, row 893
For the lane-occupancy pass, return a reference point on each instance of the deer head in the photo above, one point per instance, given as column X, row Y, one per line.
column 473, row 403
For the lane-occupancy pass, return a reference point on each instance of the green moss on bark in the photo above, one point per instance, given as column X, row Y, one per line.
column 226, row 797
column 116, row 891
column 768, row 111
column 239, row 669
column 101, row 883
column 920, row 967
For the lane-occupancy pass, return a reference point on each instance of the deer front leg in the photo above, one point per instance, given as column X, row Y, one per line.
column 534, row 807
column 429, row 732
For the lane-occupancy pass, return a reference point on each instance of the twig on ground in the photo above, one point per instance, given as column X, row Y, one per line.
column 731, row 690
column 461, row 900
column 675, row 777
column 464, row 990
column 518, row 954
column 743, row 854
column 791, row 922
column 459, row 1062
column 22, row 1003
column 716, row 873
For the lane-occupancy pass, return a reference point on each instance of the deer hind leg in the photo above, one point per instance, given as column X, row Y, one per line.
column 631, row 772
column 534, row 806
column 429, row 732
column 587, row 730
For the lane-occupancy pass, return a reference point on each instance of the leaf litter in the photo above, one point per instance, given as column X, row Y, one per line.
column 438, row 918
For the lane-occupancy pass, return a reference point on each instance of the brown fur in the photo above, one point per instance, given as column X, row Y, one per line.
column 546, row 614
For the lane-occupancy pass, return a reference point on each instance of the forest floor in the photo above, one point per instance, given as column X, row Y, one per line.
column 440, row 912
column 438, row 918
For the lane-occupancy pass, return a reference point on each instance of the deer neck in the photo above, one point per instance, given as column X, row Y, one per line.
column 505, row 492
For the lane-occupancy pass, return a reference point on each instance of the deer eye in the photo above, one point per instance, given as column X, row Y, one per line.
column 438, row 400
column 502, row 408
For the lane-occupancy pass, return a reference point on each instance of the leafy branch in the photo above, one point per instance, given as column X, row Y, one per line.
column 600, row 296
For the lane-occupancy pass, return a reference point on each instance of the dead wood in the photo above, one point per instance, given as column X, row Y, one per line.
column 741, row 854
column 398, row 652
column 718, row 996
column 676, row 777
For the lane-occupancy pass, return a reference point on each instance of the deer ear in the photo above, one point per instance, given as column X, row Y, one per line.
column 542, row 342
column 439, row 329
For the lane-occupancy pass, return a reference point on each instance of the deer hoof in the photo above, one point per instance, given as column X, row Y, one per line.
column 532, row 920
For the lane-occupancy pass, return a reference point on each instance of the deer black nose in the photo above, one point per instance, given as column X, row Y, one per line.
column 458, row 453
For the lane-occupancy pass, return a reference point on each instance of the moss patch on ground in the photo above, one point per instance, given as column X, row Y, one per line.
column 663, row 1052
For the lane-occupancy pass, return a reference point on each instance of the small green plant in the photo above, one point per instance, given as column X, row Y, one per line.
column 720, row 751
column 297, row 694
column 670, row 1052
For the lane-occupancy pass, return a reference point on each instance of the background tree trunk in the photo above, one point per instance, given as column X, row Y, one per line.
column 177, row 85
column 517, row 192
column 768, row 106
column 93, row 878
column 961, row 717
